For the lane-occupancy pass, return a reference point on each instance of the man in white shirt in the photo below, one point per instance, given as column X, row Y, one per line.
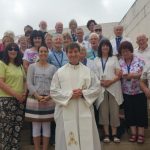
column 143, row 49
column 118, row 31
column 58, row 28
column 43, row 26
column 80, row 39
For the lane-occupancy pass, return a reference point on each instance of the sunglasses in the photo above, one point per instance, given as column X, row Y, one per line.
column 13, row 48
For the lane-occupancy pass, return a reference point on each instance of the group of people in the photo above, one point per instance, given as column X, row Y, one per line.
column 79, row 81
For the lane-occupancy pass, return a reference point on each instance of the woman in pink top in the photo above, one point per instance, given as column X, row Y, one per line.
column 135, row 102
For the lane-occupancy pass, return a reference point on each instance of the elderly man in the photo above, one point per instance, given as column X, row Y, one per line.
column 118, row 31
column 57, row 56
column 94, row 41
column 73, row 26
column 43, row 26
column 75, row 88
column 80, row 40
column 58, row 28
column 143, row 50
column 98, row 30
column 145, row 82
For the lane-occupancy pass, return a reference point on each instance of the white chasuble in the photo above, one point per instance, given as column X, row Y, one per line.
column 76, row 114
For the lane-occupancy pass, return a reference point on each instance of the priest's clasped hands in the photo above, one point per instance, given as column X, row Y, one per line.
column 77, row 93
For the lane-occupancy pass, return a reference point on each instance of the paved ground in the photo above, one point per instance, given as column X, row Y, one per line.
column 124, row 145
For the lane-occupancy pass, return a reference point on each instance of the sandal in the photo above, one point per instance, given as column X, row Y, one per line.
column 133, row 138
column 140, row 139
column 106, row 139
column 115, row 139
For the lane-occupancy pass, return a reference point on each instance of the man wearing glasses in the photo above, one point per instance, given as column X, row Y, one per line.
column 98, row 30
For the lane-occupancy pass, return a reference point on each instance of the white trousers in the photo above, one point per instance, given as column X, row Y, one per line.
column 41, row 128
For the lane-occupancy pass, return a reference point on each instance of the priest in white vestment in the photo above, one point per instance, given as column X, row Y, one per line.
column 75, row 88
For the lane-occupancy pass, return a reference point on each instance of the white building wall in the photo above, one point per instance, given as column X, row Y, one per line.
column 137, row 20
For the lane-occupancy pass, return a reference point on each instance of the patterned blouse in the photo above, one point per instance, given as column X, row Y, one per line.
column 131, row 87
column 30, row 55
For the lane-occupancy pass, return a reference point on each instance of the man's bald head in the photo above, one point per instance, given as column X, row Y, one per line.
column 59, row 27
column 118, row 30
column 43, row 26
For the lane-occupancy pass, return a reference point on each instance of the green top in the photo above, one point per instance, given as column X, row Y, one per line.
column 13, row 76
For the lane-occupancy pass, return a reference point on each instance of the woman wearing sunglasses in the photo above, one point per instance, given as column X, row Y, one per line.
column 12, row 96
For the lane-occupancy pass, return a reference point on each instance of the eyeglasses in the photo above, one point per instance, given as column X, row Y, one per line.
column 98, row 30
column 13, row 48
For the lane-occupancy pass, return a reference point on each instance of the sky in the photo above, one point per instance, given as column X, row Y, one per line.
column 15, row 14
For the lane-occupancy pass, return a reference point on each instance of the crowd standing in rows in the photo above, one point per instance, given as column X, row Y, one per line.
column 78, row 80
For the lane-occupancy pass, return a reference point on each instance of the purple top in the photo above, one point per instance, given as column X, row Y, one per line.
column 30, row 55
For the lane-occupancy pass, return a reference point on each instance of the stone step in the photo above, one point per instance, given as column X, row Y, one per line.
column 110, row 146
column 124, row 145
column 31, row 147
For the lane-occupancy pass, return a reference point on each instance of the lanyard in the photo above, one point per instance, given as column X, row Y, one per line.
column 85, row 62
column 59, row 62
column 103, row 64
column 128, row 67
column 94, row 54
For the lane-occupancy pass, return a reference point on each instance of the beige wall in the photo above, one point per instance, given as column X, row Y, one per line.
column 137, row 20
column 108, row 29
